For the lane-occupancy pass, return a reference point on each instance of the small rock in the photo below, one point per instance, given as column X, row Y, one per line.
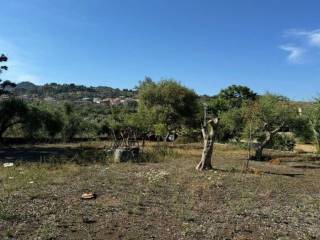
column 8, row 164
column 88, row 195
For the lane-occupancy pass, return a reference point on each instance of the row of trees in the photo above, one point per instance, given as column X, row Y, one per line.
column 168, row 107
column 243, row 115
column 40, row 121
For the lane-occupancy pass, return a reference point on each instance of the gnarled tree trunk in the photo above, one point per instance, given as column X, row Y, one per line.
column 209, row 134
column 268, row 136
column 261, row 146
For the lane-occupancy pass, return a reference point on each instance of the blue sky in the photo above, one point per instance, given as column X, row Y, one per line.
column 205, row 44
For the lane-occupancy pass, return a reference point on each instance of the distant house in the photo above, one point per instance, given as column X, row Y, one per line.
column 118, row 101
column 86, row 99
column 129, row 101
column 96, row 100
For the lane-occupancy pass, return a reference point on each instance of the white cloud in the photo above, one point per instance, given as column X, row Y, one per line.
column 315, row 38
column 303, row 45
column 295, row 53
column 312, row 37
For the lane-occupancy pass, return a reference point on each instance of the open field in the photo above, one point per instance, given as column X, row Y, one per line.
column 164, row 198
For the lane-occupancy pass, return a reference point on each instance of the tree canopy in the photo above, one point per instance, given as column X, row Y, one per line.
column 168, row 102
column 266, row 117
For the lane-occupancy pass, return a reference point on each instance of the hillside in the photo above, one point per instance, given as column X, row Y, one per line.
column 69, row 91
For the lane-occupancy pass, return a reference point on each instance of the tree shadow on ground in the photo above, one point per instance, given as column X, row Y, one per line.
column 51, row 154
column 259, row 171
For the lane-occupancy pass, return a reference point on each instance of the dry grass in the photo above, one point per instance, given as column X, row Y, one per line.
column 162, row 198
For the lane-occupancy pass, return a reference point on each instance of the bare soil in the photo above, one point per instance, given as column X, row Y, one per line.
column 40, row 197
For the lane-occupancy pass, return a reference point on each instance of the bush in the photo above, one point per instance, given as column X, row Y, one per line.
column 189, row 136
column 283, row 142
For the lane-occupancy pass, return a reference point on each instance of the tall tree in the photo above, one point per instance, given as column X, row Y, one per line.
column 168, row 103
column 232, row 97
column 314, row 120
column 7, row 83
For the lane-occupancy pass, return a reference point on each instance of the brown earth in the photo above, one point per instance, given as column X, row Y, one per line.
column 164, row 198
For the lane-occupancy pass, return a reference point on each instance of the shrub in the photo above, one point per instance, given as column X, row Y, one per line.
column 189, row 136
column 283, row 142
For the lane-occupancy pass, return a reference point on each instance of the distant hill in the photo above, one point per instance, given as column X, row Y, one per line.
column 29, row 86
column 70, row 91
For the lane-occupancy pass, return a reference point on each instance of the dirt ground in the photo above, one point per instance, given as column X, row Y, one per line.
column 164, row 198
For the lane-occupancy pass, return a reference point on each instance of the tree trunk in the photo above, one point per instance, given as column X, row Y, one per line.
column 316, row 138
column 167, row 137
column 209, row 138
column 258, row 154
column 259, row 149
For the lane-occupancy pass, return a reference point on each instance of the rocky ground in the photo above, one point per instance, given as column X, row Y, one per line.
column 163, row 198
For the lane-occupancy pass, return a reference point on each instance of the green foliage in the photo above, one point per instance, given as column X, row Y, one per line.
column 236, row 95
column 231, row 125
column 7, row 83
column 33, row 122
column 303, row 129
column 266, row 117
column 12, row 112
column 313, row 115
column 232, row 97
column 270, row 112
column 228, row 106
column 160, row 129
column 168, row 103
column 283, row 142
column 71, row 92
column 189, row 135
column 53, row 123
column 73, row 122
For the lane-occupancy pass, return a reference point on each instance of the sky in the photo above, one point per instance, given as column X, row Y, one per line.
column 268, row 45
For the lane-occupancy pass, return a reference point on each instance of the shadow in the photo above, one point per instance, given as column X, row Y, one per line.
column 306, row 167
column 258, row 172
column 49, row 154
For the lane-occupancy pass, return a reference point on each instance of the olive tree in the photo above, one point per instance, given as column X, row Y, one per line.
column 313, row 115
column 227, row 104
column 269, row 115
column 12, row 112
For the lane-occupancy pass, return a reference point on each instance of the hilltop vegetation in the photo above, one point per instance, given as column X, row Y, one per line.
column 69, row 91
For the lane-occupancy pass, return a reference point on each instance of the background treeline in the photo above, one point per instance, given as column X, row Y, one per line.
column 167, row 107
column 69, row 91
